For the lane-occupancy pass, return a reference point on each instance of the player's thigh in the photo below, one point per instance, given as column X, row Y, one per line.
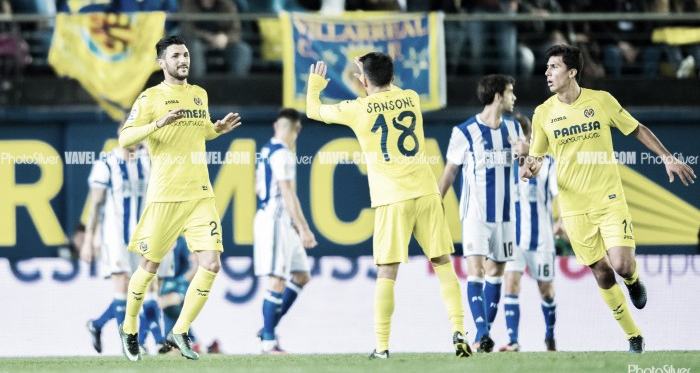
column 585, row 239
column 476, row 235
column 159, row 226
column 431, row 229
column 202, row 228
column 393, row 225
column 615, row 225
column 502, row 242
column 518, row 263
column 541, row 265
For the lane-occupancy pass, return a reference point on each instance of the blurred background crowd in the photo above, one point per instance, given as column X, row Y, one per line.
column 617, row 47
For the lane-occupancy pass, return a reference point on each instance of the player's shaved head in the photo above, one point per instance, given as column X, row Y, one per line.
column 378, row 68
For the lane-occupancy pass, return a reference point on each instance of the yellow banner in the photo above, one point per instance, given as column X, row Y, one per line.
column 111, row 55
column 676, row 35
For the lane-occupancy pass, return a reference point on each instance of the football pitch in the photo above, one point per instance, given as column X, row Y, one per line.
column 564, row 362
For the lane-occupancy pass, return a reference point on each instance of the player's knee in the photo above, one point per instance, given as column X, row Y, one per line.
column 212, row 266
column 547, row 293
column 301, row 278
column 624, row 268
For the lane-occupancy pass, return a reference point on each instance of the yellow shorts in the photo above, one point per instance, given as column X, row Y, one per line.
column 162, row 222
column 394, row 223
column 592, row 234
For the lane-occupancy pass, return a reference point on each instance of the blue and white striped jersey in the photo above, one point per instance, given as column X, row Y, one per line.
column 533, row 208
column 126, row 182
column 486, row 159
column 275, row 163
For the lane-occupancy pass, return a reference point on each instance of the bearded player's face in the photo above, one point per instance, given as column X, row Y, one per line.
column 177, row 61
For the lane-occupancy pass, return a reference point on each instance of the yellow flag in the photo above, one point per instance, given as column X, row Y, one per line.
column 111, row 55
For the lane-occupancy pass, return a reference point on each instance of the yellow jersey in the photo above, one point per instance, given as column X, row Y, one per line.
column 389, row 127
column 578, row 136
column 179, row 170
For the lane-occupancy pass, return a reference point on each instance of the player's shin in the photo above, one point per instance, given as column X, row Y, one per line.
column 383, row 309
column 616, row 301
column 196, row 297
column 451, row 295
column 135, row 296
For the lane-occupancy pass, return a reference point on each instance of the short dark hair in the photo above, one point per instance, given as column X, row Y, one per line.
column 167, row 41
column 572, row 57
column 288, row 113
column 492, row 84
column 378, row 67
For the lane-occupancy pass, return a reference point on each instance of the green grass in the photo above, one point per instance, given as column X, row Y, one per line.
column 560, row 362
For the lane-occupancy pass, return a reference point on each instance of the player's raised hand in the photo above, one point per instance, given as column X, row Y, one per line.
column 228, row 124
column 684, row 172
column 308, row 239
column 360, row 67
column 319, row 68
column 171, row 117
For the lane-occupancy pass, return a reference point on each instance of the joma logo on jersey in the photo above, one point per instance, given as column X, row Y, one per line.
column 589, row 113
column 557, row 119
column 576, row 129
column 170, row 102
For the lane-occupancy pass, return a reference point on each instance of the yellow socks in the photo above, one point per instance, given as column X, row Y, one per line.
column 197, row 295
column 383, row 309
column 135, row 294
column 614, row 298
column 635, row 275
column 451, row 295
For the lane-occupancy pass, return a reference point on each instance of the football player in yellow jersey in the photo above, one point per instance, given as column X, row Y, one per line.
column 174, row 118
column 574, row 126
column 389, row 126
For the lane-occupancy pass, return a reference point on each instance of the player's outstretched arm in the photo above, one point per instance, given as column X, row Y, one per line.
column 448, row 178
column 673, row 164
column 317, row 82
column 291, row 202
column 132, row 135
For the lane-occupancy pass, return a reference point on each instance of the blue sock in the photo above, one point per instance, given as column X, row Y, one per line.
column 288, row 297
column 152, row 312
column 475, row 297
column 271, row 310
column 120, row 310
column 511, row 307
column 492, row 296
column 170, row 315
column 549, row 310
column 107, row 315
column 143, row 327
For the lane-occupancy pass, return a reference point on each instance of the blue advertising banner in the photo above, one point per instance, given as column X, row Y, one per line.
column 45, row 159
column 415, row 41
